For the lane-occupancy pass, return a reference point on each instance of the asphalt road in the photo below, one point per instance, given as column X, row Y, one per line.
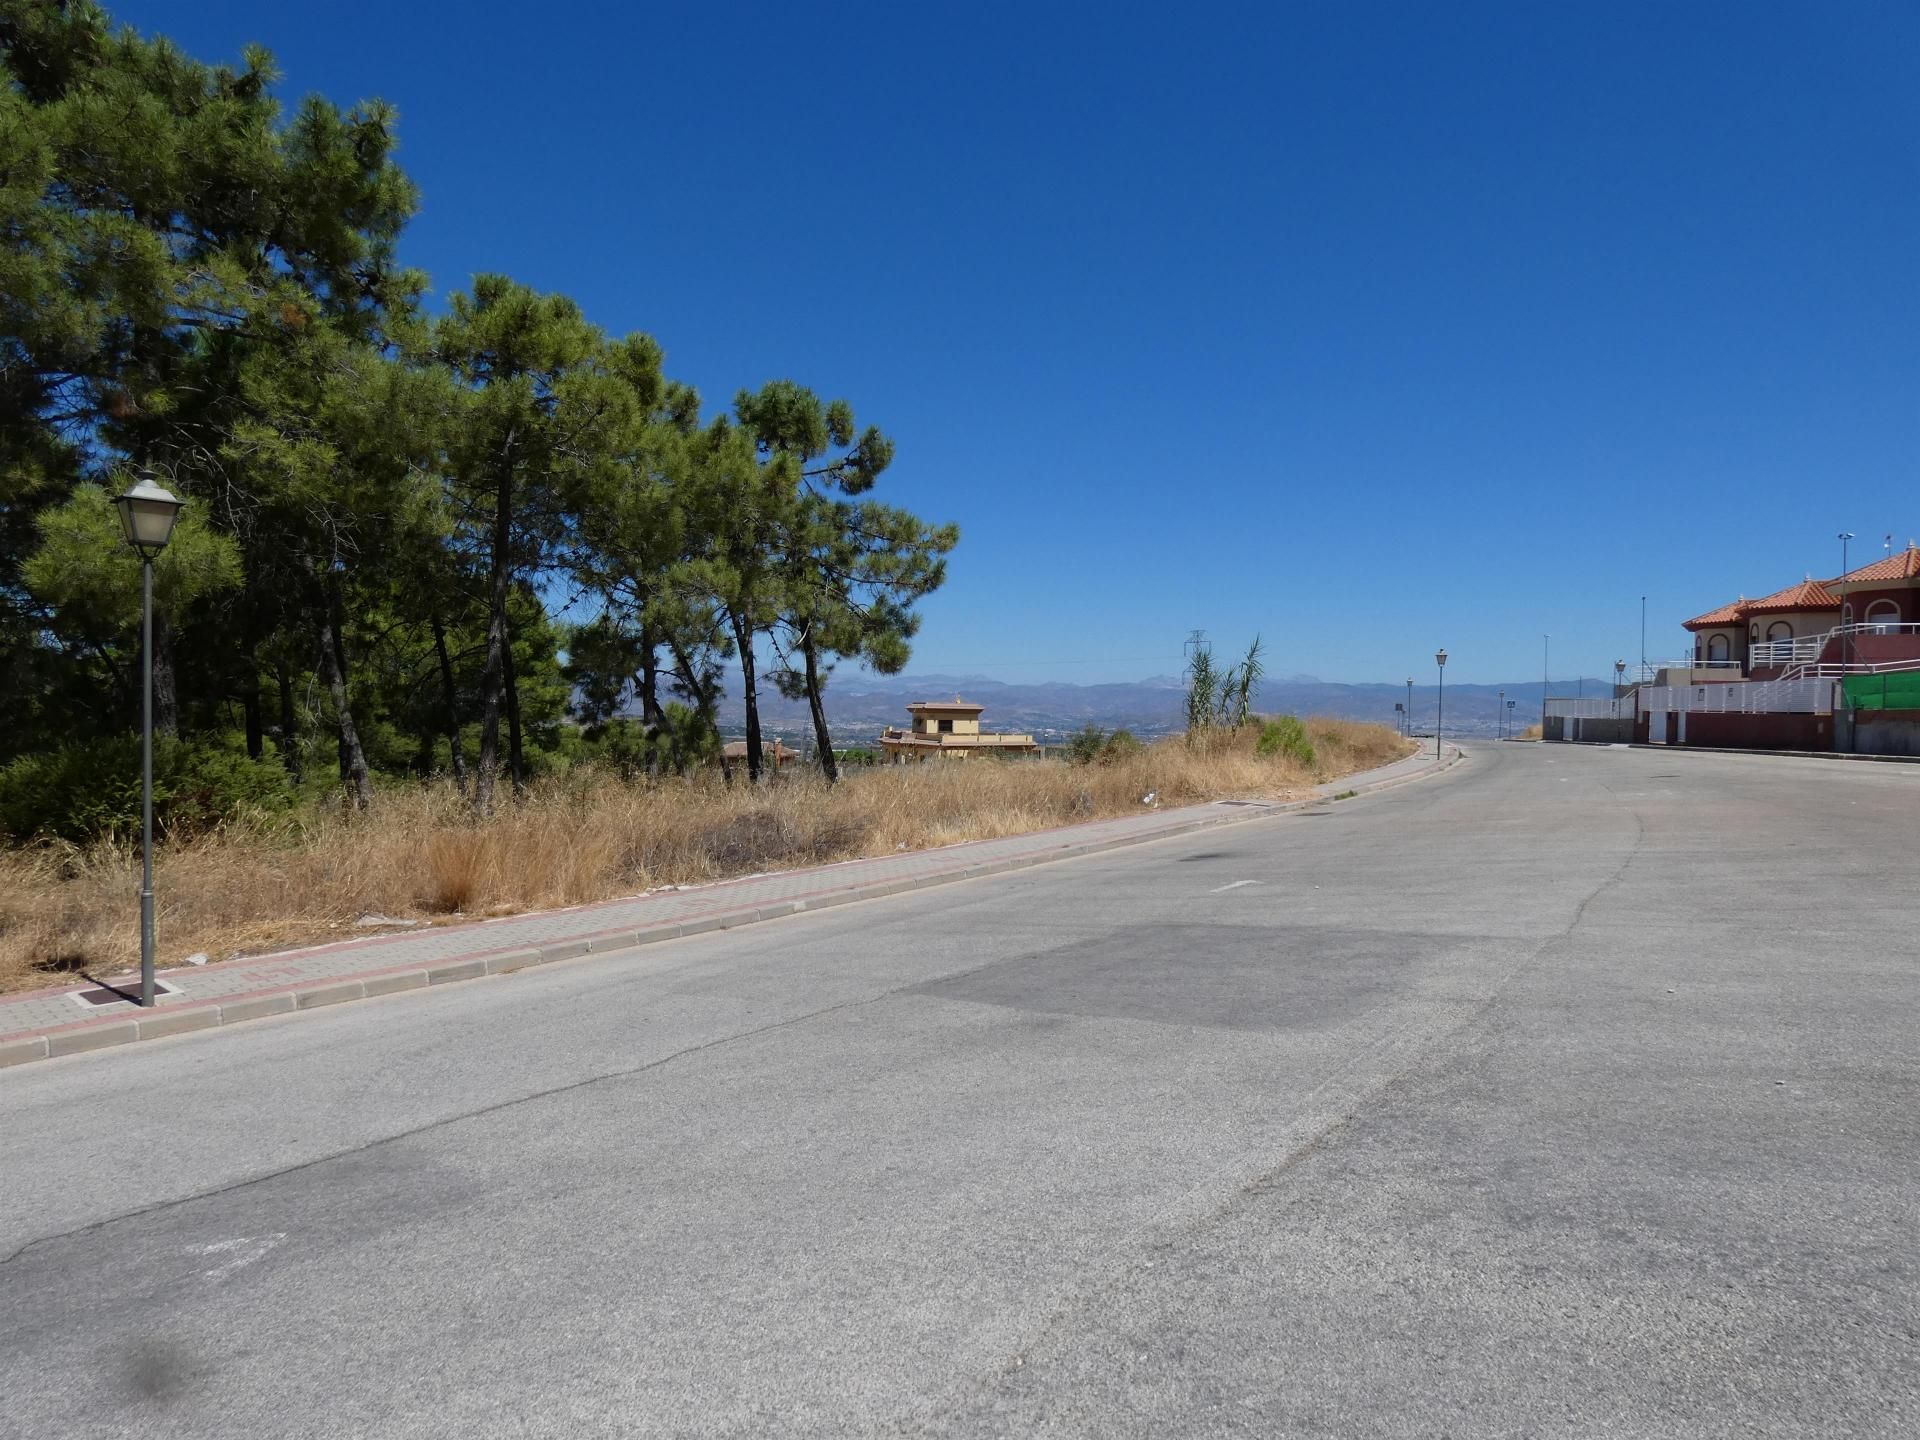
column 1572, row 1093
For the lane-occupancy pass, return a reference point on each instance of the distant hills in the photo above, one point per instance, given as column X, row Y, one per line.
column 860, row 705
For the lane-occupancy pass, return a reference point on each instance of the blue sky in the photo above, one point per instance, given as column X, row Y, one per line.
column 1368, row 327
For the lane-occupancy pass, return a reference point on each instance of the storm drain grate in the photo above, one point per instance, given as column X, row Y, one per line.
column 123, row 992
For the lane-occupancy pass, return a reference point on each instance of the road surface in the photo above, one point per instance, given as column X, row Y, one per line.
column 1571, row 1093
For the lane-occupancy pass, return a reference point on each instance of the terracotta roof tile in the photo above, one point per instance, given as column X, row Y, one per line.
column 1725, row 615
column 1807, row 595
column 1903, row 565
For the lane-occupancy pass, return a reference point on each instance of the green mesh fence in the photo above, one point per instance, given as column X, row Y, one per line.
column 1896, row 690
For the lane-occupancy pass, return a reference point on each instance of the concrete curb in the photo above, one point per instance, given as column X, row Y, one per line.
column 164, row 1020
column 1785, row 754
column 1734, row 750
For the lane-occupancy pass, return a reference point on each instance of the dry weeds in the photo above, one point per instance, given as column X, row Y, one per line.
column 582, row 837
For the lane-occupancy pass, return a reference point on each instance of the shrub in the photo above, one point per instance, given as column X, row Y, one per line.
column 1120, row 744
column 1086, row 743
column 1285, row 736
column 91, row 789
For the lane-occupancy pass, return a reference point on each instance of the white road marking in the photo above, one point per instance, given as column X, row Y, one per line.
column 1232, row 885
column 245, row 1250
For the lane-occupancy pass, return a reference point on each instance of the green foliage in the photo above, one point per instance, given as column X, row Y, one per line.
column 200, row 283
column 1203, row 683
column 1085, row 744
column 1285, row 736
column 1091, row 745
column 83, row 791
column 90, row 576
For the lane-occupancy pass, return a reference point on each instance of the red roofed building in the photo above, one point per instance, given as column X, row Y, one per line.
column 1870, row 615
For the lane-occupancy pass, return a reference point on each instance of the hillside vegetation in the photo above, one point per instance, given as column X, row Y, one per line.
column 280, row 879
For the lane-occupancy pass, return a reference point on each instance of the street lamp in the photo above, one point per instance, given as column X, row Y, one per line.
column 1440, row 701
column 1409, row 707
column 147, row 513
column 1619, row 677
column 1500, row 718
column 1846, row 635
column 1546, row 650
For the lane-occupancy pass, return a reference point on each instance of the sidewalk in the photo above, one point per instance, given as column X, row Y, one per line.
column 37, row 1024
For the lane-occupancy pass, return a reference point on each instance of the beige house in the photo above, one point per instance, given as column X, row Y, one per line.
column 949, row 729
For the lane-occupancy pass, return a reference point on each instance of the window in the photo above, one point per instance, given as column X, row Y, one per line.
column 1883, row 612
column 1779, row 630
column 946, row 727
column 1717, row 650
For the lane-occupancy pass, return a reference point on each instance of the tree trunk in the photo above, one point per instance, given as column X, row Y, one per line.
column 744, row 639
column 333, row 672
column 289, row 741
column 250, row 707
column 166, row 703
column 516, row 757
column 652, row 718
column 703, row 700
column 450, row 717
column 828, row 766
column 493, row 674
column 250, row 673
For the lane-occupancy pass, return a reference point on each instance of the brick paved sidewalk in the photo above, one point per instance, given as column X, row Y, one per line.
column 41, row 1023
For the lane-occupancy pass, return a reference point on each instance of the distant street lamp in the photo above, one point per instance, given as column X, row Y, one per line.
column 1500, row 718
column 1546, row 650
column 1846, row 635
column 147, row 513
column 1409, row 707
column 1619, row 677
column 1440, row 701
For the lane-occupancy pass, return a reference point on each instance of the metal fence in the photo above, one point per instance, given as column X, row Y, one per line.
column 1742, row 697
column 1590, row 709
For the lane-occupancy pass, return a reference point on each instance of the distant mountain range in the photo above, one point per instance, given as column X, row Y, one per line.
column 860, row 705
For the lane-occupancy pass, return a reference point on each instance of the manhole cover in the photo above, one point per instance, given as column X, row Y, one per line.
column 123, row 992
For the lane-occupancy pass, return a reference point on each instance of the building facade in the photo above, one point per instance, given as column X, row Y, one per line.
column 949, row 730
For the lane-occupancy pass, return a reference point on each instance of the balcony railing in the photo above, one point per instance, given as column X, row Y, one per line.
column 1807, row 649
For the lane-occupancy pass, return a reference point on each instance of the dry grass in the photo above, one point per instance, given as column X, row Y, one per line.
column 586, row 836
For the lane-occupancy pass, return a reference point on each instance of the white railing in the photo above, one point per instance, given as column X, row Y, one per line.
column 1807, row 648
column 1834, row 669
column 1743, row 697
column 1576, row 709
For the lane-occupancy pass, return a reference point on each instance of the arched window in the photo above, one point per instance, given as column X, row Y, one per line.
column 1779, row 630
column 1717, row 650
column 1883, row 612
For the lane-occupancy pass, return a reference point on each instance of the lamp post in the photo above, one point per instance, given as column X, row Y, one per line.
column 1619, row 677
column 1546, row 649
column 1500, row 718
column 1439, row 701
column 1409, row 707
column 147, row 513
column 1846, row 635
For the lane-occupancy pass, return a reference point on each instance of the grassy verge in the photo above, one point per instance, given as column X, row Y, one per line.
column 586, row 836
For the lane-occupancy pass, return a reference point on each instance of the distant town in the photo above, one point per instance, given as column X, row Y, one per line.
column 861, row 705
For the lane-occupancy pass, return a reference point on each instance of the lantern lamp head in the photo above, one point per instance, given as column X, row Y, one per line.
column 147, row 515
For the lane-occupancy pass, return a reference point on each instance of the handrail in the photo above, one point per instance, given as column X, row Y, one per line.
column 1796, row 649
column 1839, row 669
